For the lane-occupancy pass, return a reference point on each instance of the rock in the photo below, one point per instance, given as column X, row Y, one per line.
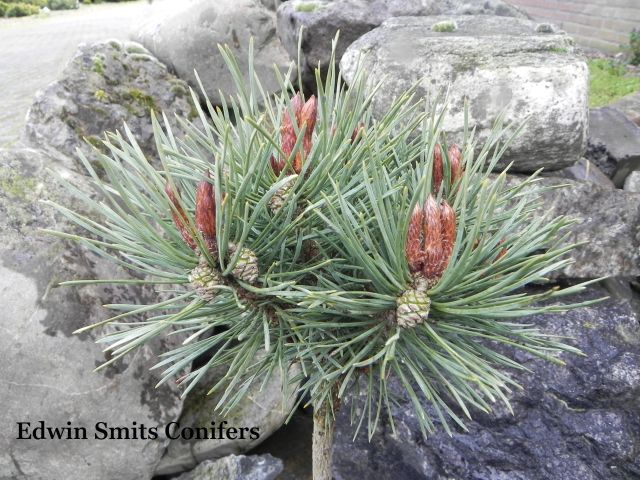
column 104, row 85
column 497, row 64
column 583, row 170
column 614, row 143
column 574, row 422
column 236, row 467
column 621, row 287
column 292, row 443
column 632, row 182
column 47, row 372
column 322, row 20
column 630, row 106
column 271, row 4
column 265, row 409
column 188, row 38
column 608, row 220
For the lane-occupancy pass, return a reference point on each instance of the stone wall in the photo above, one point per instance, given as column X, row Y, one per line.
column 603, row 24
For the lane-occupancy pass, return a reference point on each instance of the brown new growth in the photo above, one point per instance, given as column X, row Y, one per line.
column 455, row 166
column 179, row 217
column 432, row 236
column 430, row 239
column 205, row 217
column 438, row 169
column 355, row 135
column 455, row 163
column 206, row 213
column 503, row 251
column 414, row 249
column 305, row 117
column 448, row 228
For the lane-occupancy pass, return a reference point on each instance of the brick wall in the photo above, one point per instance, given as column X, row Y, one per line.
column 603, row 24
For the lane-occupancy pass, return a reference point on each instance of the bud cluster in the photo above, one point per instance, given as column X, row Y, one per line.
column 430, row 239
column 455, row 166
column 246, row 268
column 305, row 117
column 412, row 308
column 204, row 278
column 205, row 215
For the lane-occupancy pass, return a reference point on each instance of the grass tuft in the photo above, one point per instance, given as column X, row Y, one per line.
column 609, row 81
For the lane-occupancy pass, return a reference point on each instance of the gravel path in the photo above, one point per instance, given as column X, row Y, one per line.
column 34, row 50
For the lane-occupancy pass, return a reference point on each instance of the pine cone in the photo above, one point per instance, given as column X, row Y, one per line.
column 246, row 268
column 204, row 281
column 412, row 308
column 280, row 197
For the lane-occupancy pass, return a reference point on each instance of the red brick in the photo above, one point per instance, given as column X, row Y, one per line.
column 600, row 23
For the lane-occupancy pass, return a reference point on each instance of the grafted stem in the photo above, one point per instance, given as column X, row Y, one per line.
column 323, row 434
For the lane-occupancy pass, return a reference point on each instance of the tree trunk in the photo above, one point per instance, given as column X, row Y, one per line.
column 323, row 430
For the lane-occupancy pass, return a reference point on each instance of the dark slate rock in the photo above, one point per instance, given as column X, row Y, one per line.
column 614, row 143
column 607, row 221
column 583, row 170
column 630, row 106
column 575, row 422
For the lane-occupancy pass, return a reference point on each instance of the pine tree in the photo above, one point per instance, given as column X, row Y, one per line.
column 282, row 230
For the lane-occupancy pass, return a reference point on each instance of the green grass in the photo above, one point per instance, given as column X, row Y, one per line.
column 608, row 82
column 444, row 26
column 98, row 64
column 141, row 98
column 306, row 7
column 101, row 96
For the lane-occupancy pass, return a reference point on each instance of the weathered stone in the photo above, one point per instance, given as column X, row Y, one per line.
column 236, row 467
column 497, row 64
column 353, row 18
column 632, row 182
column 622, row 288
column 104, row 85
column 630, row 106
column 271, row 4
column 47, row 372
column 608, row 220
column 614, row 143
column 188, row 38
column 583, row 170
column 574, row 422
column 266, row 409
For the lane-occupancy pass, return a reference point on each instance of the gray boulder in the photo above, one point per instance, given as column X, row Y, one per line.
column 632, row 182
column 497, row 64
column 271, row 4
column 188, row 38
column 614, row 143
column 574, row 422
column 237, row 467
column 630, row 106
column 104, row 85
column 265, row 408
column 608, row 221
column 47, row 372
column 582, row 170
column 322, row 19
